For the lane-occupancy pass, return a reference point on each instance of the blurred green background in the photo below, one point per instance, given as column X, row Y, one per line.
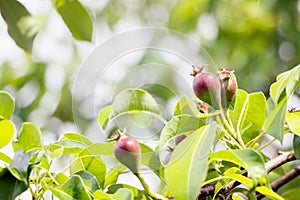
column 43, row 43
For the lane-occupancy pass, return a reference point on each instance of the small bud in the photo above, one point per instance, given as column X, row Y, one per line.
column 228, row 83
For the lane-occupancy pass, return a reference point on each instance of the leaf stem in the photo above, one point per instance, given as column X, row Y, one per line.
column 266, row 145
column 230, row 130
column 147, row 188
column 254, row 140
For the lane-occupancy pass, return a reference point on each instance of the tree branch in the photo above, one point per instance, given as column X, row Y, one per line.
column 286, row 178
column 282, row 158
column 283, row 180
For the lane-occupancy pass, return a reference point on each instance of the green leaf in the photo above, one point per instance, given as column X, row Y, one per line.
column 113, row 174
column 178, row 125
column 70, row 143
column 74, row 188
column 29, row 138
column 99, row 149
column 7, row 131
column 285, row 84
column 76, row 18
column 296, row 146
column 99, row 195
column 121, row 194
column 249, row 114
column 5, row 158
column 19, row 165
column 133, row 101
column 103, row 116
column 293, row 119
column 76, row 137
column 92, row 164
column 21, row 25
column 246, row 158
column 10, row 187
column 136, row 193
column 7, row 103
column 150, row 159
column 291, row 194
column 90, row 160
column 186, row 106
column 89, row 180
column 61, row 178
column 261, row 189
column 274, row 124
column 188, row 166
column 67, row 147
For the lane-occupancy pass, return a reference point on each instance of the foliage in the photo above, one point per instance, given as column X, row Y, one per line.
column 258, row 41
column 194, row 163
column 223, row 149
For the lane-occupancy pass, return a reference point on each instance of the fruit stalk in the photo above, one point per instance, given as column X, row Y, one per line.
column 148, row 189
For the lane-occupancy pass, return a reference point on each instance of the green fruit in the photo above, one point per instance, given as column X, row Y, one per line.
column 127, row 150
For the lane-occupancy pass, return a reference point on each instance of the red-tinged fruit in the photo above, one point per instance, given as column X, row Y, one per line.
column 127, row 150
column 207, row 87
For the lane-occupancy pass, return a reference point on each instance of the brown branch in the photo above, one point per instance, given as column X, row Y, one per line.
column 282, row 158
column 283, row 180
column 286, row 178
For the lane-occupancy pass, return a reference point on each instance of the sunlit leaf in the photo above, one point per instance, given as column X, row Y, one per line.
column 99, row 195
column 150, row 159
column 7, row 104
column 246, row 158
column 178, row 125
column 74, row 188
column 103, row 116
column 186, row 106
column 136, row 193
column 89, row 181
column 275, row 120
column 189, row 160
column 21, row 26
column 293, row 121
column 7, row 131
column 121, row 194
column 65, row 147
column 285, row 84
column 261, row 189
column 113, row 174
column 90, row 160
column 249, row 113
column 61, row 178
column 132, row 101
column 76, row 18
column 29, row 137
column 76, row 137
column 5, row 158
